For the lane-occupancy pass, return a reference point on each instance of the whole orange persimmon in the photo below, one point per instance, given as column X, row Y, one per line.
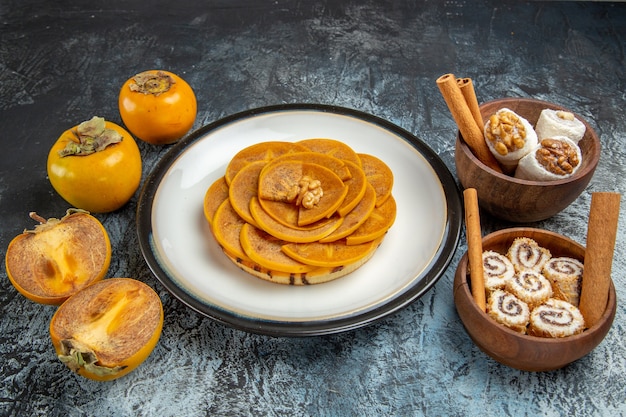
column 158, row 107
column 95, row 166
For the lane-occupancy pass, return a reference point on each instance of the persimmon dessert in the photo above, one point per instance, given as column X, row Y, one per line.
column 301, row 213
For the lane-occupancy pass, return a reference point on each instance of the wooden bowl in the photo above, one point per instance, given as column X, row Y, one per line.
column 517, row 200
column 520, row 351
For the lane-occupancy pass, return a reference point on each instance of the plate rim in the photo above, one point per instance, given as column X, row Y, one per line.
column 441, row 259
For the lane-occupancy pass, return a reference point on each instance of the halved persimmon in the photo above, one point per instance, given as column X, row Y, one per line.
column 376, row 225
column 379, row 175
column 107, row 329
column 331, row 147
column 214, row 196
column 59, row 257
column 268, row 224
column 263, row 151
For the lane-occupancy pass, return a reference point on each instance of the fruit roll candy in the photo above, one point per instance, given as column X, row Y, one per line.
column 531, row 287
column 565, row 274
column 497, row 270
column 555, row 318
column 508, row 310
column 525, row 253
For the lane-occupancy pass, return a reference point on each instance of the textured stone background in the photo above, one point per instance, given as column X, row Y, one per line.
column 62, row 62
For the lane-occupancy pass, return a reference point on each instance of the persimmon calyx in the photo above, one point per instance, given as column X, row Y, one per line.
column 45, row 224
column 75, row 355
column 92, row 136
column 148, row 82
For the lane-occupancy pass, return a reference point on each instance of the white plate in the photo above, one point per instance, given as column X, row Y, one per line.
column 179, row 249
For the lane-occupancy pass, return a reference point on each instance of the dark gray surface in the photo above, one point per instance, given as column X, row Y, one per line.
column 62, row 62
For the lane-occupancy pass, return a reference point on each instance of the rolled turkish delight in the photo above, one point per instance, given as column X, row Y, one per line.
column 559, row 123
column 508, row 310
column 497, row 270
column 526, row 253
column 566, row 275
column 531, row 287
column 509, row 137
column 553, row 159
column 556, row 318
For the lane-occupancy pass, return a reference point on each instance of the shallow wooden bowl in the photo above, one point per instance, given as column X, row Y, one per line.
column 519, row 200
column 528, row 353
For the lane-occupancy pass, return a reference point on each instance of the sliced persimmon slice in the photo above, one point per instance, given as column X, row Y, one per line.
column 263, row 151
column 336, row 165
column 355, row 218
column 214, row 196
column 331, row 147
column 265, row 250
column 280, row 231
column 284, row 213
column 287, row 215
column 243, row 187
column 295, row 182
column 379, row 175
column 356, row 188
column 226, row 228
column 325, row 209
column 280, row 181
column 377, row 224
column 328, row 255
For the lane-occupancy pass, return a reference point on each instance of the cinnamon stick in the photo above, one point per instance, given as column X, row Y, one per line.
column 467, row 89
column 475, row 247
column 462, row 115
column 601, row 235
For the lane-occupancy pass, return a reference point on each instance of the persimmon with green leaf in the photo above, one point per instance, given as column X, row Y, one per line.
column 95, row 166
